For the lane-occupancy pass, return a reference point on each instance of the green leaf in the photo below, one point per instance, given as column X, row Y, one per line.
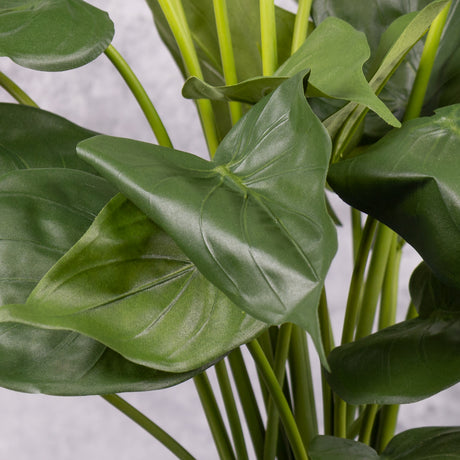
column 333, row 448
column 409, row 181
column 128, row 285
column 427, row 443
column 331, row 46
column 53, row 35
column 254, row 220
column 34, row 138
column 409, row 361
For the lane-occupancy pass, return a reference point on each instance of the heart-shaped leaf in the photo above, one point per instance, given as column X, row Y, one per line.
column 333, row 448
column 128, row 285
column 254, row 220
column 409, row 361
column 333, row 45
column 34, row 138
column 409, row 181
column 53, row 34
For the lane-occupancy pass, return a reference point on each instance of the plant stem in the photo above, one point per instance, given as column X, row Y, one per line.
column 357, row 230
column 268, row 37
column 214, row 417
column 389, row 418
column 301, row 24
column 425, row 67
column 281, row 354
column 148, row 426
column 16, row 92
column 248, row 401
column 279, row 399
column 175, row 15
column 368, row 422
column 226, row 53
column 302, row 386
column 354, row 293
column 374, row 281
column 140, row 94
column 232, row 411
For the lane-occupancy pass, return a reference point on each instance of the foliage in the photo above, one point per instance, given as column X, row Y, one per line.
column 129, row 266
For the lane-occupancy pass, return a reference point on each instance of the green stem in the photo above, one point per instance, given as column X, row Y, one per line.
column 357, row 230
column 148, row 426
column 389, row 418
column 340, row 417
column 140, row 94
column 302, row 386
column 17, row 93
column 301, row 24
column 281, row 354
column 232, row 411
column 279, row 399
column 175, row 15
column 365, row 432
column 268, row 37
column 214, row 417
column 226, row 53
column 248, row 401
column 425, row 67
column 354, row 293
column 374, row 281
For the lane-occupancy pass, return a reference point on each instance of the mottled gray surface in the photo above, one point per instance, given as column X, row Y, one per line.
column 51, row 428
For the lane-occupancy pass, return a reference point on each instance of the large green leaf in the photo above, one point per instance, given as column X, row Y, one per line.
column 34, row 138
column 435, row 443
column 254, row 220
column 409, row 361
column 409, row 181
column 128, row 285
column 53, row 34
column 331, row 46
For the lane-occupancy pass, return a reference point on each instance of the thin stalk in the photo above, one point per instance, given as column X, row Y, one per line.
column 365, row 432
column 374, row 281
column 232, row 411
column 149, row 426
column 214, row 417
column 389, row 418
column 248, row 401
column 279, row 399
column 340, row 417
column 15, row 91
column 301, row 24
column 265, row 342
column 140, row 94
column 177, row 21
column 268, row 37
column 425, row 67
column 226, row 54
column 302, row 386
column 357, row 230
column 354, row 293
column 281, row 354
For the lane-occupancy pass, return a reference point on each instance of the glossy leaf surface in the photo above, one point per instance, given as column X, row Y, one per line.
column 254, row 220
column 333, row 44
column 53, row 35
column 128, row 285
column 409, row 181
column 34, row 138
column 333, row 448
column 409, row 361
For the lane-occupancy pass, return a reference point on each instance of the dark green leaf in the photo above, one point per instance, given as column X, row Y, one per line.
column 34, row 138
column 409, row 181
column 254, row 220
column 128, row 285
column 332, row 448
column 53, row 34
column 331, row 46
column 427, row 443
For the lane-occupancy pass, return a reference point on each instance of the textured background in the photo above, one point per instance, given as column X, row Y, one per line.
column 45, row 427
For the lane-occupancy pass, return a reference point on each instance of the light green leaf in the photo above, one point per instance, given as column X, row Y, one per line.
column 409, row 181
column 331, row 46
column 333, row 448
column 53, row 34
column 128, row 285
column 254, row 220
